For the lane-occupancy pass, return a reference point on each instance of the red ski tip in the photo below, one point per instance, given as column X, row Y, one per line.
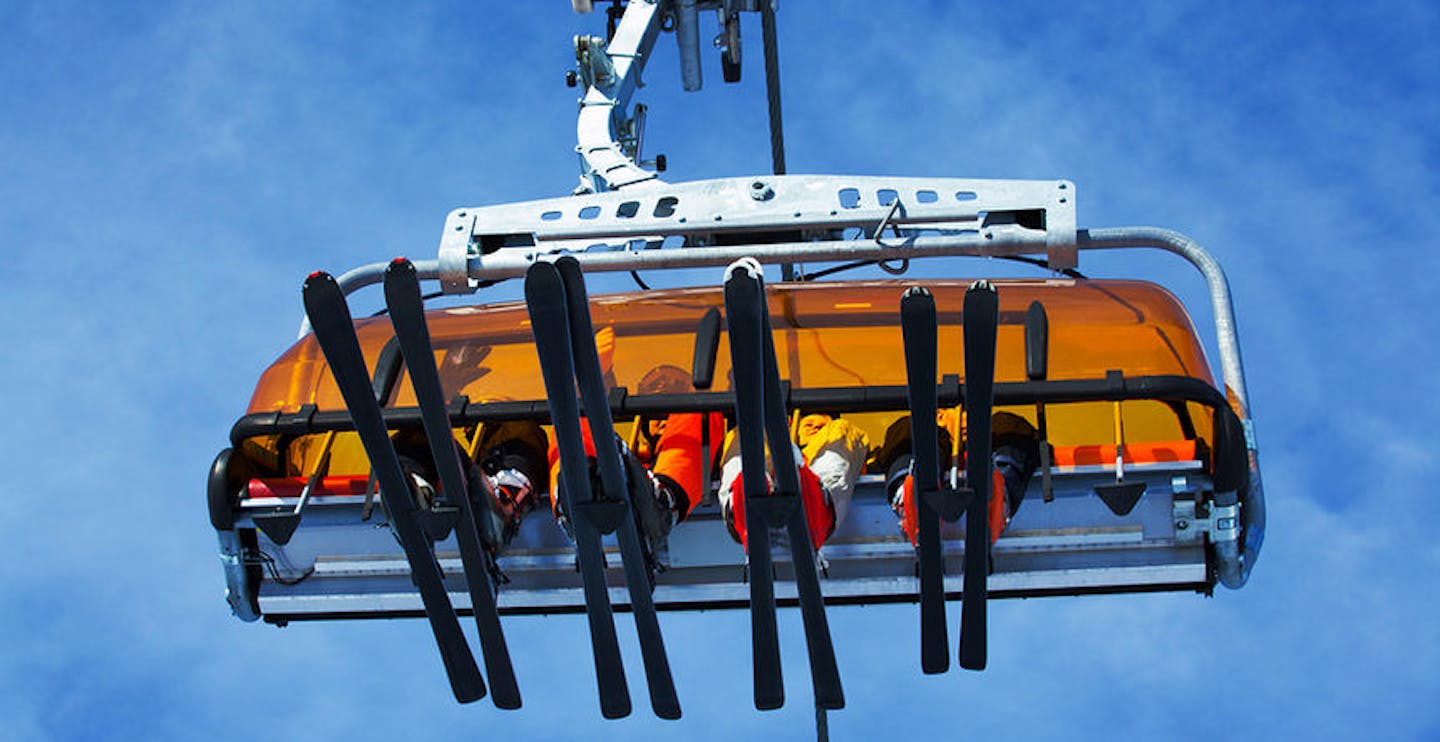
column 400, row 260
column 317, row 274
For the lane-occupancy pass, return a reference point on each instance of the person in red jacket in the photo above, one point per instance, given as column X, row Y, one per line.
column 1014, row 453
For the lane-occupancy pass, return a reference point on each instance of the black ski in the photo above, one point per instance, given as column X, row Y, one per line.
column 639, row 578
column 824, row 672
column 407, row 315
column 549, row 322
column 743, row 299
column 980, row 317
column 785, row 507
column 330, row 318
column 918, row 327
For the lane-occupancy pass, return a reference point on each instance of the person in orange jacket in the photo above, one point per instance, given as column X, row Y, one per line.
column 668, row 460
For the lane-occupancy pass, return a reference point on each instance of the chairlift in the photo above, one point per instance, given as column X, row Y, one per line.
column 1147, row 476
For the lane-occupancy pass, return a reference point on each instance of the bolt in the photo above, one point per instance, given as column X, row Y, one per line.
column 1181, row 525
column 571, row 79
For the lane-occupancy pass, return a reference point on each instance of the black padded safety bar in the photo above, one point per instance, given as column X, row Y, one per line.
column 1230, row 465
column 833, row 399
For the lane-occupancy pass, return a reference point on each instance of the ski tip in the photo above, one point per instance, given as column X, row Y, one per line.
column 316, row 281
column 573, row 277
column 540, row 274
column 981, row 285
column 769, row 701
column 915, row 291
column 507, row 699
column 468, row 690
column 936, row 665
column 616, row 708
column 400, row 263
column 750, row 267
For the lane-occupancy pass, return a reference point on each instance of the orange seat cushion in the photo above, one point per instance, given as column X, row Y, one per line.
column 1135, row 453
column 291, row 486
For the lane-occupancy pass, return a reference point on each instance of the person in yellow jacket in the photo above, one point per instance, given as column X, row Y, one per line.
column 831, row 453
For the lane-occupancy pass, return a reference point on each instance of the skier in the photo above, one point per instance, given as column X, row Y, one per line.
column 679, row 450
column 510, row 469
column 514, row 462
column 1015, row 454
column 667, row 461
column 831, row 454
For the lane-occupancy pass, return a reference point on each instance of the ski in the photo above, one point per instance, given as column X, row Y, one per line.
column 743, row 326
column 329, row 315
column 980, row 317
column 639, row 578
column 918, row 327
column 407, row 315
column 761, row 416
column 550, row 324
column 824, row 672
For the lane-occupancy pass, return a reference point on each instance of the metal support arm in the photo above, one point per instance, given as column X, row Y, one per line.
column 612, row 72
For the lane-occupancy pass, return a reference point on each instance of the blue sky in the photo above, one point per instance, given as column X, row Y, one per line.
column 169, row 173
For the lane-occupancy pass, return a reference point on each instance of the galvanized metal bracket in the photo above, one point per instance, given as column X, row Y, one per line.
column 456, row 249
column 800, row 212
column 1194, row 520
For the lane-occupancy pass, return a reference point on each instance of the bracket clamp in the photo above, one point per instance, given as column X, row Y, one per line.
column 455, row 252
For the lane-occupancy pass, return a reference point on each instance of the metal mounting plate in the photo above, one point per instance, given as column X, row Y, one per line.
column 1069, row 546
column 764, row 209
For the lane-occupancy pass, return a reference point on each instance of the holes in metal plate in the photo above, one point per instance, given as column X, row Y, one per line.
column 665, row 207
column 927, row 196
column 628, row 210
column 965, row 196
column 590, row 212
column 849, row 198
column 550, row 216
column 886, row 196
